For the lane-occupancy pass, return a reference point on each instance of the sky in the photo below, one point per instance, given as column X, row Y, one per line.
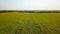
column 29, row 4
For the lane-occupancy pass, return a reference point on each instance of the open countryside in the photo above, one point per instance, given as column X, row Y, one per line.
column 29, row 23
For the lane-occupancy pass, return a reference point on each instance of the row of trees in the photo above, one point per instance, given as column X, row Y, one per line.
column 32, row 11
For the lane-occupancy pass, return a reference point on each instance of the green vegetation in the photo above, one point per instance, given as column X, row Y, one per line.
column 29, row 23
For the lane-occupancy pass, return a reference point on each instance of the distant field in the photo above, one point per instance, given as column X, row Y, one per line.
column 29, row 23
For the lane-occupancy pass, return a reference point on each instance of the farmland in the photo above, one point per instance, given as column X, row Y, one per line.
column 29, row 23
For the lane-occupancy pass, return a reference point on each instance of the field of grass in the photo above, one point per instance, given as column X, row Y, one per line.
column 29, row 23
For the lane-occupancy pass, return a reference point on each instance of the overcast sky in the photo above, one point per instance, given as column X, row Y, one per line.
column 29, row 4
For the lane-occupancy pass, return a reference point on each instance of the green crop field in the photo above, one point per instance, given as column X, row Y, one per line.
column 29, row 23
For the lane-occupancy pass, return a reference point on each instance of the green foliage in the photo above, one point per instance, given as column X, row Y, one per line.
column 29, row 23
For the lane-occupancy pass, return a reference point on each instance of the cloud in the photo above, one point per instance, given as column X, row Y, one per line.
column 29, row 5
